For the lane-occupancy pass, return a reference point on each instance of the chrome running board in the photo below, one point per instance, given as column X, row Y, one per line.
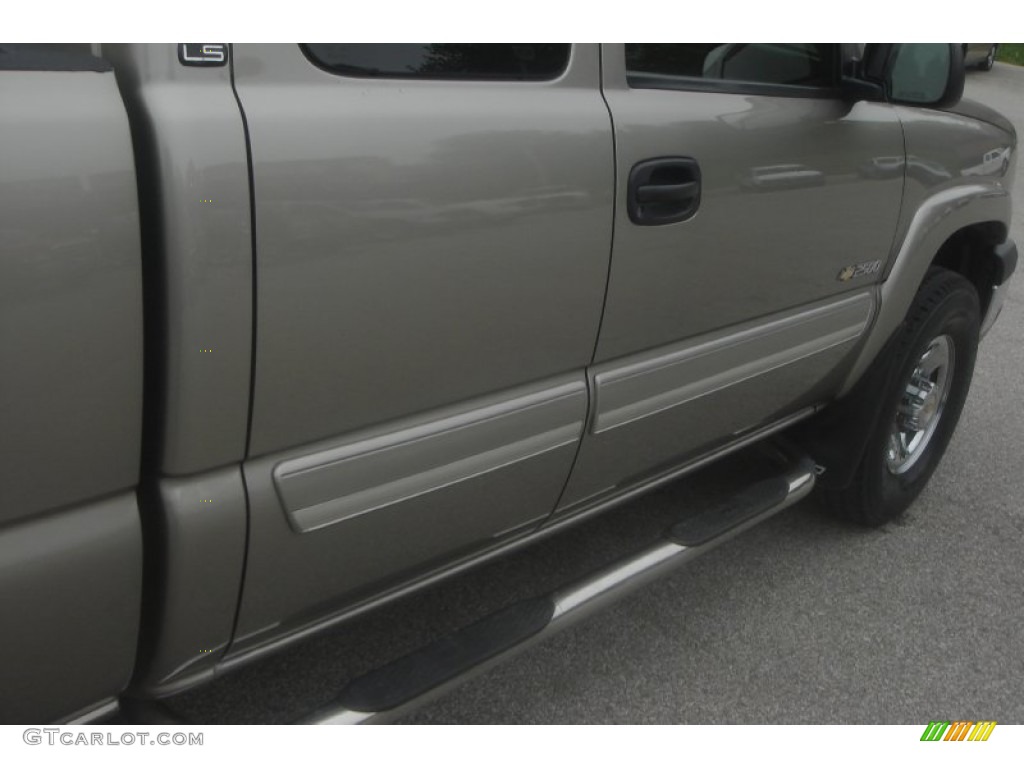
column 388, row 692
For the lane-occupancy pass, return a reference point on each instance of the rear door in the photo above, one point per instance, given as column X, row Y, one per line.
column 433, row 229
column 745, row 189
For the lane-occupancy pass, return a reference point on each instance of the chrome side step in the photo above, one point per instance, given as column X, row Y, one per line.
column 401, row 686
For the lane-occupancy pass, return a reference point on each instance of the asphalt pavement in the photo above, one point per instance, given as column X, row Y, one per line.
column 803, row 619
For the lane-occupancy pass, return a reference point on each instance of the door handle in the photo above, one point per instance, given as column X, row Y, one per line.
column 663, row 190
column 667, row 193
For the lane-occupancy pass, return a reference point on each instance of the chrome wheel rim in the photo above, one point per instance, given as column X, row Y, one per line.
column 921, row 405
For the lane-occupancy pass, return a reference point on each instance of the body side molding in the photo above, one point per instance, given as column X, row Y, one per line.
column 367, row 474
column 644, row 385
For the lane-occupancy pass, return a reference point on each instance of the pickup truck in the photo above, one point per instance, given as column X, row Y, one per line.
column 290, row 331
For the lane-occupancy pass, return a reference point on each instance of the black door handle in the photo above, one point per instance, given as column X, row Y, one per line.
column 663, row 191
column 667, row 193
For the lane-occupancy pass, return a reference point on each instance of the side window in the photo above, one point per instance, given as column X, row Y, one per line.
column 724, row 66
column 442, row 61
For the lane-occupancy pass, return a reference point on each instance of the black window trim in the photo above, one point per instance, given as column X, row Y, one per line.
column 437, row 78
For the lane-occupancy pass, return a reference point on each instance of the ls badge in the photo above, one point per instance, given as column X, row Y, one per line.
column 203, row 54
column 858, row 270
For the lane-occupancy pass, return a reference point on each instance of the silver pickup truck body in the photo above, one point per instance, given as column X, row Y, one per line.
column 279, row 344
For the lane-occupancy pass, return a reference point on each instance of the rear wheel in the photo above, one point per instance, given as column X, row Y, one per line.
column 934, row 363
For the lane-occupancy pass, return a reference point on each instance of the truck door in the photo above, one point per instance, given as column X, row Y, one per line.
column 752, row 206
column 432, row 235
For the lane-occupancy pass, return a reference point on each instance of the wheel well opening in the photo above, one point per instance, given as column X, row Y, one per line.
column 969, row 252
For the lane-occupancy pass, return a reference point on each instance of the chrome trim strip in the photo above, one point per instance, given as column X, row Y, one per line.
column 95, row 713
column 341, row 717
column 346, row 481
column 666, row 378
column 586, row 596
column 622, row 577
column 612, row 578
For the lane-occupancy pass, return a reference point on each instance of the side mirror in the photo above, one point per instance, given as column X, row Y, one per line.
column 918, row 74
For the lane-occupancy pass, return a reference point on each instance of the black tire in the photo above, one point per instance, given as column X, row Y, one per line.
column 945, row 315
column 987, row 63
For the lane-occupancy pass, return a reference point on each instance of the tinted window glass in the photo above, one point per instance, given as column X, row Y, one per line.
column 802, row 64
column 445, row 61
